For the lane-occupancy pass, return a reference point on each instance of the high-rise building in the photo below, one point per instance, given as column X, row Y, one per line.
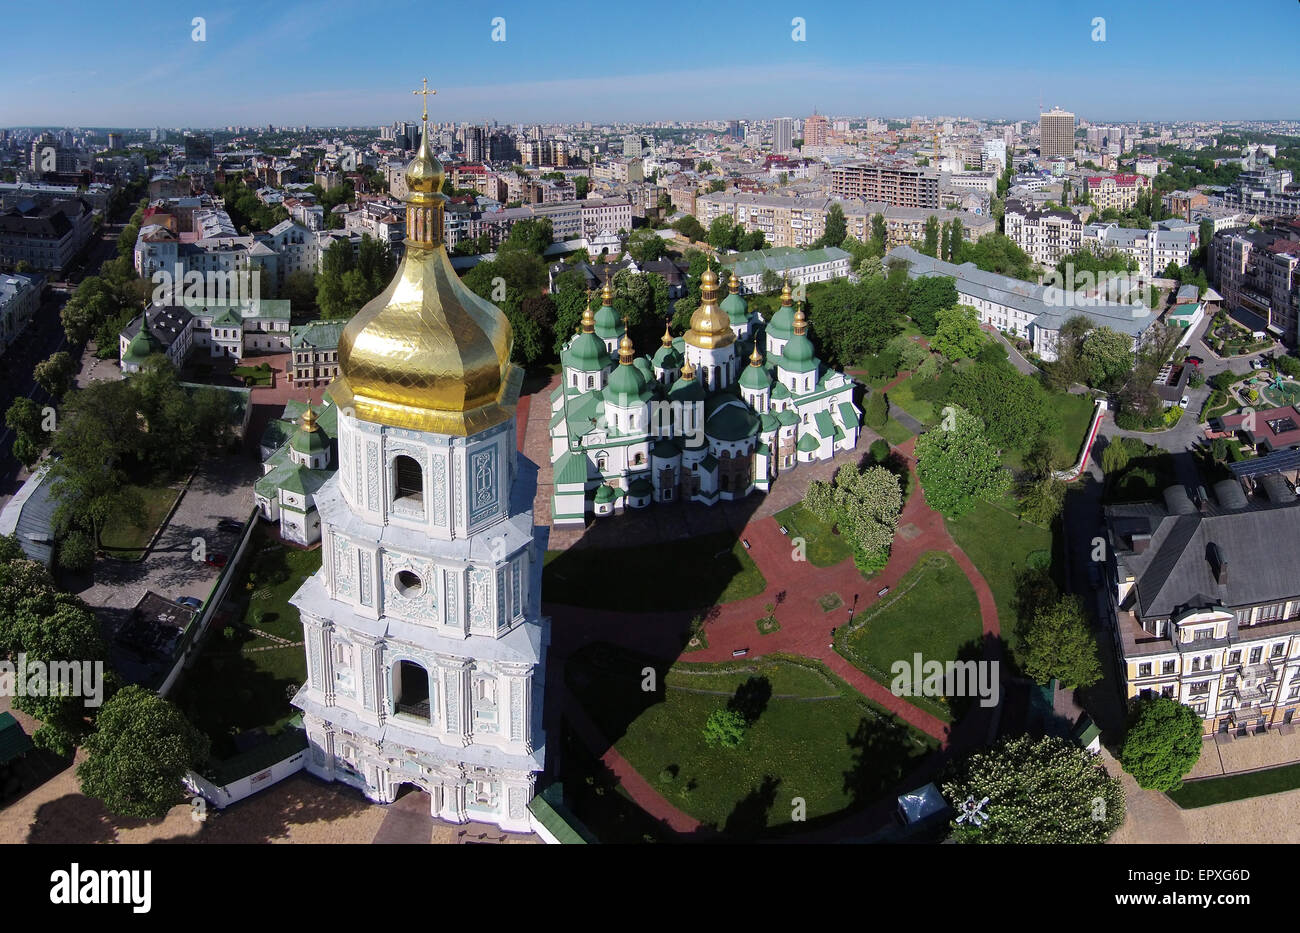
column 197, row 148
column 1056, row 134
column 632, row 147
column 733, row 129
column 474, row 148
column 816, row 129
column 892, row 183
column 426, row 647
column 782, row 134
column 114, row 140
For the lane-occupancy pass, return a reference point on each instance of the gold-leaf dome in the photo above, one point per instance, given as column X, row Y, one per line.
column 426, row 353
column 710, row 325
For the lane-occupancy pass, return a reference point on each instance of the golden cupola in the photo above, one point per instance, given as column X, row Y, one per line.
column 426, row 353
column 710, row 326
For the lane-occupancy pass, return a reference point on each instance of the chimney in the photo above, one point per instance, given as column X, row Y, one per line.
column 1219, row 563
column 1202, row 500
column 1140, row 543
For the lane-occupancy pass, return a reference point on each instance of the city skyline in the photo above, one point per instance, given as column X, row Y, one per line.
column 297, row 68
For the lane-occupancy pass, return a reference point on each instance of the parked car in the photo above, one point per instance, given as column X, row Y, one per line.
column 1195, row 360
column 229, row 524
column 1184, row 402
column 216, row 560
column 192, row 601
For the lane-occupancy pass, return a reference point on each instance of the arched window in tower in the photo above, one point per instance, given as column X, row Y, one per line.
column 411, row 691
column 408, row 482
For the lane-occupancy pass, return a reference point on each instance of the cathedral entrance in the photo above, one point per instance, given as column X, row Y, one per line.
column 407, row 819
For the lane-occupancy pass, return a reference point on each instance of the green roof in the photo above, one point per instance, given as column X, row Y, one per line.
column 549, row 809
column 665, row 449
column 607, row 323
column 227, row 318
column 668, row 358
column 640, row 487
column 285, row 744
column 734, row 306
column 688, row 390
column 780, row 390
column 808, row 443
column 605, row 494
column 763, row 450
column 627, row 385
column 709, row 463
column 586, row 354
column 755, row 377
column 14, row 742
column 782, row 259
column 320, row 335
column 732, row 423
column 787, row 417
column 570, row 469
column 849, row 415
column 143, row 345
column 825, row 425
column 782, row 324
column 769, row 422
column 798, row 355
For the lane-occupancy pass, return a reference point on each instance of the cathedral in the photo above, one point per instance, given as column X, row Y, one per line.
column 424, row 636
column 714, row 415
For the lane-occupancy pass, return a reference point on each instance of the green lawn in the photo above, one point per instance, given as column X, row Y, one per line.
column 904, row 396
column 246, row 682
column 1000, row 544
column 1236, row 787
column 122, row 539
column 823, row 548
column 932, row 610
column 810, row 736
column 656, row 577
column 261, row 377
column 894, row 433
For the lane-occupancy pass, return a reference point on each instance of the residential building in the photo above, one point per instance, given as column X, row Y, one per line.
column 891, row 183
column 1117, row 191
column 1203, row 601
column 603, row 215
column 1259, row 271
column 1056, row 134
column 816, row 130
column 782, row 134
column 796, row 266
column 1152, row 249
column 167, row 329
column 49, row 238
column 20, row 297
column 1046, row 235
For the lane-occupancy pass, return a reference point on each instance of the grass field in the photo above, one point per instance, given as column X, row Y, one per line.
column 894, row 433
column 810, row 736
column 1236, row 787
column 705, row 571
column 932, row 611
column 824, row 549
column 904, row 396
column 127, row 541
column 999, row 544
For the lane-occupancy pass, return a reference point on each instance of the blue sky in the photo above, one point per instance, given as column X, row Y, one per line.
column 344, row 62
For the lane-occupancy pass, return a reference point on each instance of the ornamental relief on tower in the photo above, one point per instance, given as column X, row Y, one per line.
column 343, row 577
column 480, row 601
column 483, row 483
column 438, row 488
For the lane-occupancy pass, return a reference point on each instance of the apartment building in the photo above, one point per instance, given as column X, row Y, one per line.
column 1046, row 235
column 47, row 237
column 599, row 215
column 1152, row 249
column 1117, row 191
column 1259, row 271
column 889, row 182
column 20, row 297
column 1203, row 598
column 1056, row 134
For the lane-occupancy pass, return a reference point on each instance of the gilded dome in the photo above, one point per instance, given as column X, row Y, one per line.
column 710, row 326
column 426, row 353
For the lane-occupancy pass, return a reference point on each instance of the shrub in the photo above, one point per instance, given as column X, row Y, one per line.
column 869, row 563
column 879, row 450
column 875, row 410
column 76, row 552
column 1196, row 380
column 725, row 728
column 1289, row 365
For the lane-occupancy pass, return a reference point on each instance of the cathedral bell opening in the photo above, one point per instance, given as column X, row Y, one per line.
column 411, row 691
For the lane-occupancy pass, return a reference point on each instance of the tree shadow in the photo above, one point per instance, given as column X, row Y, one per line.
column 751, row 699
column 749, row 818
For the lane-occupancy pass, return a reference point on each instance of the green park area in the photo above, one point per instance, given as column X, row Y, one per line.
column 932, row 611
column 1001, row 545
column 807, row 734
column 693, row 573
column 1209, row 791
column 824, row 547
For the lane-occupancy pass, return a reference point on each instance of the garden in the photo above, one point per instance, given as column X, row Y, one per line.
column 1228, row 338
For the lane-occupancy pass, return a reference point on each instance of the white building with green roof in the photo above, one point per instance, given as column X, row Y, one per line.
column 799, row 266
column 714, row 415
column 301, row 461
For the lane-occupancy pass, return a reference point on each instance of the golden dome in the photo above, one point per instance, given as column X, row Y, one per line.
column 755, row 358
column 309, row 419
column 688, row 371
column 710, row 325
column 667, row 339
column 607, row 291
column 800, row 321
column 787, row 297
column 626, row 352
column 733, row 283
column 588, row 320
column 427, row 353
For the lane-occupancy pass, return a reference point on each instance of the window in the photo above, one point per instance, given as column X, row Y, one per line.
column 1275, row 651
column 1144, row 670
column 1169, row 667
column 1256, row 654
column 1167, row 690
column 1234, row 657
column 1200, row 689
column 409, row 480
column 1202, row 634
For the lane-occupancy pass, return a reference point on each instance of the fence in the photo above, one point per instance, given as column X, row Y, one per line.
column 254, row 770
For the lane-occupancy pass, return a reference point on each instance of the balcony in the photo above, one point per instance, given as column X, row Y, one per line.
column 420, row 709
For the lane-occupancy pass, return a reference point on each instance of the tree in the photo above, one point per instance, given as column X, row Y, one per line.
column 299, row 290
column 1013, row 406
column 879, row 234
column 724, row 727
column 957, row 465
column 531, row 235
column 55, row 372
column 76, row 552
column 645, row 245
column 930, row 246
column 1107, row 358
column 1058, row 644
column 875, row 410
column 581, row 185
column 721, row 232
column 141, row 749
column 690, row 228
column 28, row 422
column 1162, row 744
column 957, row 335
column 836, row 228
column 852, row 320
column 1039, row 791
column 929, row 295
